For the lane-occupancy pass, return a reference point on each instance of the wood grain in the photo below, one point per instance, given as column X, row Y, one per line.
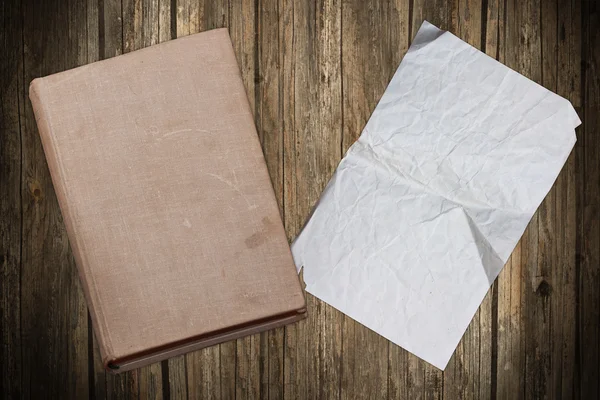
column 589, row 258
column 11, row 214
column 313, row 73
column 367, row 43
column 268, row 116
column 53, row 327
column 565, row 324
column 317, row 119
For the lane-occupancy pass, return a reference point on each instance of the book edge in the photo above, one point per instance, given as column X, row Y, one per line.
column 117, row 366
column 44, row 125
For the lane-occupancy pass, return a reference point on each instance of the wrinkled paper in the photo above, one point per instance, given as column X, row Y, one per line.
column 426, row 207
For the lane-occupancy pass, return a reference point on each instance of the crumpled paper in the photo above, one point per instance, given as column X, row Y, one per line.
column 426, row 207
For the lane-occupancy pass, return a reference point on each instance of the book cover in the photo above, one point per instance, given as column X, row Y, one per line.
column 167, row 200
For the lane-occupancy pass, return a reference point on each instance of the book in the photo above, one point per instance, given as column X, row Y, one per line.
column 167, row 200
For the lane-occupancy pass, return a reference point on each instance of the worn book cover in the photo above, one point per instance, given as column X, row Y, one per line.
column 167, row 200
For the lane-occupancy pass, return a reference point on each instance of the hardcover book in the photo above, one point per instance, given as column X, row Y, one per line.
column 167, row 200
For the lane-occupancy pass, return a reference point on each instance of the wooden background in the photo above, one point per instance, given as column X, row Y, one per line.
column 313, row 71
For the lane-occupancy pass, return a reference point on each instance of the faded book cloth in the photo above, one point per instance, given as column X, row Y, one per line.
column 167, row 200
column 426, row 207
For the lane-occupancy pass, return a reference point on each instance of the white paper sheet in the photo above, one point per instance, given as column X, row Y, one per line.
column 426, row 207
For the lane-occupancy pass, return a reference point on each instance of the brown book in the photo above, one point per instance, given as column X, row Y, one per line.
column 167, row 200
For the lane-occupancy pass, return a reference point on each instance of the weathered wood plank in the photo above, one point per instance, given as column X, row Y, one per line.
column 370, row 55
column 589, row 184
column 189, row 13
column 248, row 368
column 177, row 378
column 203, row 374
column 494, row 29
column 53, row 316
column 166, row 28
column 111, row 30
column 327, row 41
column 133, row 20
column 96, row 368
column 317, row 120
column 565, row 314
column 470, row 25
column 537, row 286
column 511, row 361
column 269, row 123
column 295, row 361
column 242, row 29
column 11, row 104
column 550, row 220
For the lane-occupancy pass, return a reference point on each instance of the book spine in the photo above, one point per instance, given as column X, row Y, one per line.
column 43, row 121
